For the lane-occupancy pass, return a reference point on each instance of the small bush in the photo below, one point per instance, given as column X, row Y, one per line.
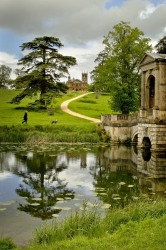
column 7, row 244
column 103, row 135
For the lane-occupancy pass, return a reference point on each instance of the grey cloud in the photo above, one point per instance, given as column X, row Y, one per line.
column 71, row 19
column 76, row 21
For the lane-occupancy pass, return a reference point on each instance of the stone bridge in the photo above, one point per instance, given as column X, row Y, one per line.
column 147, row 128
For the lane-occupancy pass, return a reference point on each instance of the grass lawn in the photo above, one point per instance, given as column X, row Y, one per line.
column 92, row 106
column 12, row 114
column 39, row 127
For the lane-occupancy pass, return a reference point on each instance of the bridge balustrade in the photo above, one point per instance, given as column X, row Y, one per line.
column 108, row 119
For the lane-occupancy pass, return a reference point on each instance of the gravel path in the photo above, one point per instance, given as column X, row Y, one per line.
column 64, row 107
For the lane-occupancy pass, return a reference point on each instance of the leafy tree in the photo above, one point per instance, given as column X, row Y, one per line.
column 118, row 66
column 98, row 75
column 161, row 46
column 43, row 67
column 5, row 72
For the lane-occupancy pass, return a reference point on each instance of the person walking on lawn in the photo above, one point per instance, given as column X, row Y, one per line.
column 25, row 118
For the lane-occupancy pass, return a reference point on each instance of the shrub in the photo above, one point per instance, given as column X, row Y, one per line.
column 7, row 244
column 103, row 135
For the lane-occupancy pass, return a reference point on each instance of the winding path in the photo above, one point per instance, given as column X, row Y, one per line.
column 64, row 107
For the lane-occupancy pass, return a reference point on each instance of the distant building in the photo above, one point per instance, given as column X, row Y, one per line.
column 76, row 84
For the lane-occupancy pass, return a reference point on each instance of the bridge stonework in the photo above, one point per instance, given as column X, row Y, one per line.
column 148, row 126
column 155, row 133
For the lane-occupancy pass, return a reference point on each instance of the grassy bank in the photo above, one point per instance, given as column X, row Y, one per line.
column 50, row 134
column 138, row 226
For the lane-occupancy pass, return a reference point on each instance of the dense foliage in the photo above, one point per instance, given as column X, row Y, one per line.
column 42, row 69
column 161, row 46
column 117, row 69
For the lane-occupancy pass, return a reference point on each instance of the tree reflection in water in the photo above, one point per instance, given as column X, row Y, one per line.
column 42, row 188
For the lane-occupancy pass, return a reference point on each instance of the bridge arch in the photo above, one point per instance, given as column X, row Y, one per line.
column 146, row 143
column 135, row 139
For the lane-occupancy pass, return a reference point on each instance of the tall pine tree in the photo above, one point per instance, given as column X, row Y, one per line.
column 43, row 68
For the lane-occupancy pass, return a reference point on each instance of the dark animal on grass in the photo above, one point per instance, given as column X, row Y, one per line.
column 54, row 121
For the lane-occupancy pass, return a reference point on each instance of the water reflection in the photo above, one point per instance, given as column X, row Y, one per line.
column 41, row 186
column 45, row 182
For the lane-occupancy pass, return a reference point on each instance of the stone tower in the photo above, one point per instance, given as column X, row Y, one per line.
column 152, row 120
column 153, row 85
column 85, row 77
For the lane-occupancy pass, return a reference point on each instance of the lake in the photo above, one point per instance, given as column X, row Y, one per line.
column 39, row 184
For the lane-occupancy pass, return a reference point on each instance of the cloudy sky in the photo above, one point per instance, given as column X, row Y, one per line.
column 79, row 24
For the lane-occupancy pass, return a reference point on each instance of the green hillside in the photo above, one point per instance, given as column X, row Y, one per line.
column 40, row 129
column 12, row 114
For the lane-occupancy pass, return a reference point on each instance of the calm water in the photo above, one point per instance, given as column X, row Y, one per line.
column 39, row 184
